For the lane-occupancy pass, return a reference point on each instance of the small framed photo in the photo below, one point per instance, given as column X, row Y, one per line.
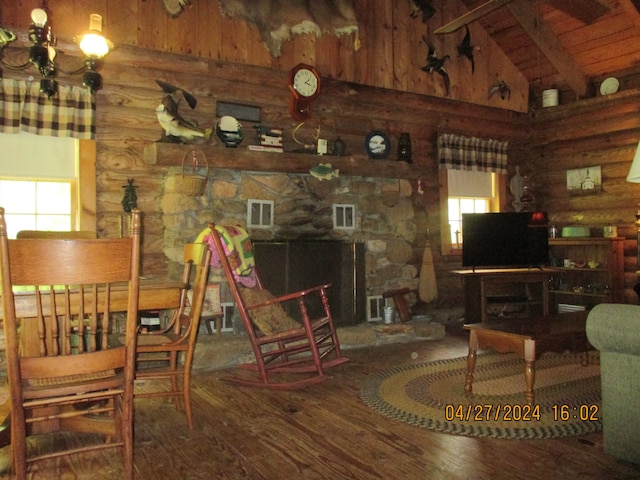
column 584, row 180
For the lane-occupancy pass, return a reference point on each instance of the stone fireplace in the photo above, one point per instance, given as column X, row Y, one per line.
column 383, row 251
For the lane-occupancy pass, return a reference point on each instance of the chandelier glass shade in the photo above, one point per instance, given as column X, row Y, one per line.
column 42, row 52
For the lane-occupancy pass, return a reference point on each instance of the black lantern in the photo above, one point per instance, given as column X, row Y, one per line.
column 404, row 147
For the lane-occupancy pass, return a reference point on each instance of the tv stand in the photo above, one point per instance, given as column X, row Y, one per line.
column 504, row 293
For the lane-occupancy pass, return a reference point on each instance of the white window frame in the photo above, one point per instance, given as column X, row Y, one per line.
column 265, row 212
column 375, row 308
column 344, row 216
column 447, row 246
column 84, row 201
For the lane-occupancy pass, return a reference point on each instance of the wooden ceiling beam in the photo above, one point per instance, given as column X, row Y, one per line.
column 632, row 8
column 525, row 13
column 587, row 11
column 471, row 16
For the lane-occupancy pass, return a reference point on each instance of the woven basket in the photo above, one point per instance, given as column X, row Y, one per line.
column 192, row 182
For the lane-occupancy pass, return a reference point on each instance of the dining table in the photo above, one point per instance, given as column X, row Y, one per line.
column 156, row 293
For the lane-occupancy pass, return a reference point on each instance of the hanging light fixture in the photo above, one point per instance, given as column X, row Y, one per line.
column 42, row 52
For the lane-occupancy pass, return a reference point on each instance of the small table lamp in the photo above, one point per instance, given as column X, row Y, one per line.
column 634, row 171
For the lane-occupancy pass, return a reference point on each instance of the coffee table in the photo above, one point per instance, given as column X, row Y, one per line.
column 529, row 338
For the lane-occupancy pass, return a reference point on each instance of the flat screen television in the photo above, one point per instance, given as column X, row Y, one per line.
column 505, row 240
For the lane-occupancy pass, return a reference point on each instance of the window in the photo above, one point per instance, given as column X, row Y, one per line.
column 459, row 205
column 344, row 216
column 260, row 213
column 375, row 307
column 465, row 191
column 37, row 204
column 47, row 183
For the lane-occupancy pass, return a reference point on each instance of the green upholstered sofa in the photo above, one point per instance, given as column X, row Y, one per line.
column 614, row 330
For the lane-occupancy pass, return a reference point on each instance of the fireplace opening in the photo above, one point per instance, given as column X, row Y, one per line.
column 289, row 266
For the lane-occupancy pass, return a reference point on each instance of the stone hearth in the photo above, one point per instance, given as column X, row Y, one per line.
column 215, row 352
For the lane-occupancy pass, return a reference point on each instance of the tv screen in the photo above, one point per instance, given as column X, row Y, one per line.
column 509, row 239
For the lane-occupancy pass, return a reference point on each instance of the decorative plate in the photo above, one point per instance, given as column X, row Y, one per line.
column 377, row 144
column 609, row 86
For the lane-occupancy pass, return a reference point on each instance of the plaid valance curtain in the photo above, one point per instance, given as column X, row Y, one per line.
column 71, row 113
column 469, row 153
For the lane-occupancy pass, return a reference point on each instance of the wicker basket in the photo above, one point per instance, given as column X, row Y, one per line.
column 192, row 182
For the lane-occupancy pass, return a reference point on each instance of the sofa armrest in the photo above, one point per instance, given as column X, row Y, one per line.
column 614, row 327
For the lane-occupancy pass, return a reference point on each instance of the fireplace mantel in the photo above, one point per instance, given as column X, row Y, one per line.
column 171, row 155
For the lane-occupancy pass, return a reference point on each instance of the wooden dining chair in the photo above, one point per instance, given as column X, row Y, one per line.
column 290, row 351
column 167, row 354
column 62, row 376
column 68, row 234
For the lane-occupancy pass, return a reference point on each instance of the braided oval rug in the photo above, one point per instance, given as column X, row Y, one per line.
column 431, row 395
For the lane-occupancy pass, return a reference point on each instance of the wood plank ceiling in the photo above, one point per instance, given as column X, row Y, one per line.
column 567, row 44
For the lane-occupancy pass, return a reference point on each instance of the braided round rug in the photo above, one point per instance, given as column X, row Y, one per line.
column 431, row 395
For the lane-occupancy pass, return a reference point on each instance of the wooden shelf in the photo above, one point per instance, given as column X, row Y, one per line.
column 241, row 158
column 488, row 288
column 608, row 252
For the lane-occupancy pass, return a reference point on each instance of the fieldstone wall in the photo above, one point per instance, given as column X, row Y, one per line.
column 390, row 220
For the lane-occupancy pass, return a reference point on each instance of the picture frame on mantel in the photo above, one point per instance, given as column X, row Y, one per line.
column 584, row 181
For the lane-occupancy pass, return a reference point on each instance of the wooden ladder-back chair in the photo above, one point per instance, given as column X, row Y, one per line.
column 282, row 345
column 68, row 234
column 160, row 350
column 56, row 296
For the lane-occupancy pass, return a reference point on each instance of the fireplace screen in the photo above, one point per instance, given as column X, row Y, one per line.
column 295, row 265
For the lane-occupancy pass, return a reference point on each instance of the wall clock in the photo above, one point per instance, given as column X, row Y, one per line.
column 304, row 84
column 377, row 144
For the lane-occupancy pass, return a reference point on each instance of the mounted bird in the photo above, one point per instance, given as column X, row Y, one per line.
column 466, row 48
column 500, row 88
column 423, row 7
column 176, row 128
column 175, row 7
column 436, row 64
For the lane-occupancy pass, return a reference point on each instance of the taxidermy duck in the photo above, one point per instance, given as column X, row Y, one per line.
column 176, row 128
column 423, row 7
column 466, row 49
column 500, row 88
column 175, row 7
column 436, row 64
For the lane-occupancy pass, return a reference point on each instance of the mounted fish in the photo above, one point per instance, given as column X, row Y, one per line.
column 466, row 49
column 324, row 171
column 176, row 128
column 436, row 64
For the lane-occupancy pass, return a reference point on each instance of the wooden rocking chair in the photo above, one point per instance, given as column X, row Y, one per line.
column 289, row 353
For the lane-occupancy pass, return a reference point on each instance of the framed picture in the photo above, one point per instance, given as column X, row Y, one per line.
column 584, row 180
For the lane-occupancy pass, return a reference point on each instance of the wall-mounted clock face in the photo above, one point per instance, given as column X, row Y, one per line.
column 304, row 84
column 377, row 144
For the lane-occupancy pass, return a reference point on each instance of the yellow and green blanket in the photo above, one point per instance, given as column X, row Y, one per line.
column 238, row 249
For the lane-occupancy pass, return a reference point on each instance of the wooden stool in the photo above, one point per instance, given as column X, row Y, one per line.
column 400, row 302
column 217, row 319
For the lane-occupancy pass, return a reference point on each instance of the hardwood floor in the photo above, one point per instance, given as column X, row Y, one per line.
column 326, row 432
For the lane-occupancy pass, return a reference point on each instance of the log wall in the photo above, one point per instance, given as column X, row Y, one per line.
column 602, row 132
column 381, row 86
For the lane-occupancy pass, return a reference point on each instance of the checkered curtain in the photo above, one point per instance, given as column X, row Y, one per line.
column 469, row 153
column 70, row 113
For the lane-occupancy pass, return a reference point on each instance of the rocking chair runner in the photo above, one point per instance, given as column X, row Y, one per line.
column 281, row 345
